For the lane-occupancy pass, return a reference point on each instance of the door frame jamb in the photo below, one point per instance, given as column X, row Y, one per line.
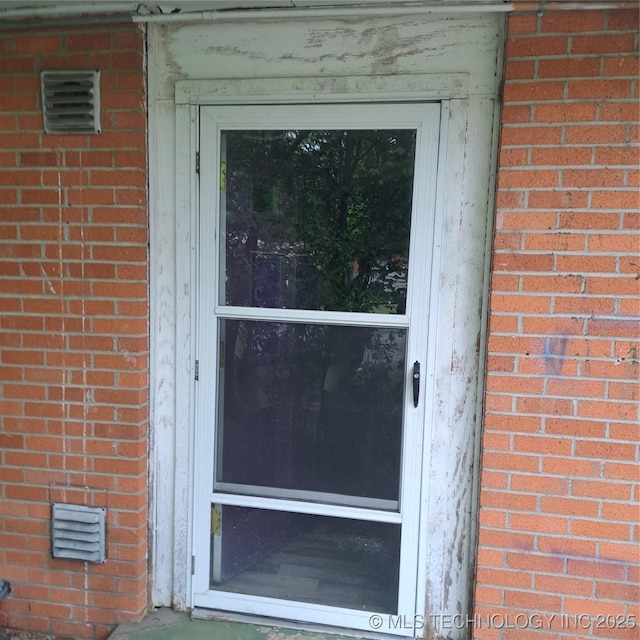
column 190, row 94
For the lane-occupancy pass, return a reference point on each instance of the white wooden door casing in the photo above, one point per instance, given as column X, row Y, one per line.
column 451, row 58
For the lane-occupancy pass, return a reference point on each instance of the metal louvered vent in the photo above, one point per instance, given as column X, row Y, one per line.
column 78, row 532
column 71, row 101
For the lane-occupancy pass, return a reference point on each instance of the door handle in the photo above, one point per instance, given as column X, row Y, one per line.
column 416, row 383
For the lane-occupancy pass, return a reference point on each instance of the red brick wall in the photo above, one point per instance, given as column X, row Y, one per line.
column 560, row 492
column 559, row 500
column 73, row 331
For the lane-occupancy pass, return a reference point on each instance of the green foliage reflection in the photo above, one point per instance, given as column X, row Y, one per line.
column 318, row 219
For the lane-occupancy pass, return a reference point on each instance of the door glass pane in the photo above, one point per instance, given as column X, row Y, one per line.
column 292, row 556
column 316, row 219
column 311, row 407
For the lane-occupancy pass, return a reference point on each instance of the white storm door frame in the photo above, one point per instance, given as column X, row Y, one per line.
column 425, row 118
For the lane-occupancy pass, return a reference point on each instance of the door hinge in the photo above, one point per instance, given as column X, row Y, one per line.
column 198, row 162
column 193, row 565
column 216, row 521
column 223, row 176
column 197, row 370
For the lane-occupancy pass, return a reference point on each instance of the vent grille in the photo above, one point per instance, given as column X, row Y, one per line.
column 78, row 532
column 71, row 101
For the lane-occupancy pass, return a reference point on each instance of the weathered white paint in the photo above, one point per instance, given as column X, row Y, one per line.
column 332, row 59
column 458, row 334
column 331, row 89
column 162, row 345
column 300, row 49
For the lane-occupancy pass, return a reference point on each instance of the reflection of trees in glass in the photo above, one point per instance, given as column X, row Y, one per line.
column 319, row 219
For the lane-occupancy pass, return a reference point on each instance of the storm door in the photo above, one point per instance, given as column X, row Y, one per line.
column 313, row 268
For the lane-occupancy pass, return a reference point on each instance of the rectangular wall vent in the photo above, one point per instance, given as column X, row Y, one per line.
column 71, row 101
column 78, row 532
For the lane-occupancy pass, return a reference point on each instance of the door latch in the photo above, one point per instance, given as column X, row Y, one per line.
column 416, row 383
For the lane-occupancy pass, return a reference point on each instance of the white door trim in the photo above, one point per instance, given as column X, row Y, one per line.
column 418, row 87
column 383, row 58
column 466, row 124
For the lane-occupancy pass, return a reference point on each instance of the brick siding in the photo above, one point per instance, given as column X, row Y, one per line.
column 560, row 491
column 73, row 331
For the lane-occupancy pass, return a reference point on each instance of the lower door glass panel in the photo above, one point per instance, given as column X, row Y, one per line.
column 306, row 558
column 311, row 408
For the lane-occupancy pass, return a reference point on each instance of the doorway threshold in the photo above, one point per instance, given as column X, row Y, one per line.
column 203, row 624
